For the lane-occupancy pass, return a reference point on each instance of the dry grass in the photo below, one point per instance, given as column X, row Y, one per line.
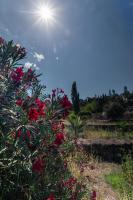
column 102, row 134
column 92, row 173
column 94, row 134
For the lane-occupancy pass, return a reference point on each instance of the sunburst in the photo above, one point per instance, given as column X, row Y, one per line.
column 45, row 14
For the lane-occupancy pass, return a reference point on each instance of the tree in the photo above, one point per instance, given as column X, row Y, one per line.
column 113, row 92
column 75, row 98
column 126, row 92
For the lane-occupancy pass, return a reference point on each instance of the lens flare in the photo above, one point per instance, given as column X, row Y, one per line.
column 46, row 14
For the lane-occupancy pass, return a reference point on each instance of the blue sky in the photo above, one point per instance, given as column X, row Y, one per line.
column 91, row 42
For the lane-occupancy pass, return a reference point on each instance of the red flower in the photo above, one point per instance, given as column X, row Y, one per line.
column 19, row 102
column 57, row 126
column 29, row 74
column 54, row 93
column 1, row 41
column 33, row 114
column 30, row 71
column 19, row 133
column 21, row 51
column 19, row 71
column 17, row 74
column 51, row 197
column 94, row 195
column 65, row 165
column 38, row 166
column 41, row 106
column 38, row 101
column 70, row 182
column 62, row 126
column 37, row 110
column 31, row 147
column 59, row 138
column 28, row 134
column 61, row 91
column 65, row 102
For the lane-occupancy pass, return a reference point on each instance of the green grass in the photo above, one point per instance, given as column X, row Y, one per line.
column 122, row 181
column 116, row 180
column 120, row 184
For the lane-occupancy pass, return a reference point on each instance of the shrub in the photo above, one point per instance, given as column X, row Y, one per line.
column 75, row 122
column 127, row 168
column 123, row 125
column 114, row 111
column 32, row 134
column 90, row 108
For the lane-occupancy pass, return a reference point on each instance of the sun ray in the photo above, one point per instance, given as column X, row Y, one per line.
column 45, row 13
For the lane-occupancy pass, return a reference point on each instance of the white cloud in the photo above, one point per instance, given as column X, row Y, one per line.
column 39, row 57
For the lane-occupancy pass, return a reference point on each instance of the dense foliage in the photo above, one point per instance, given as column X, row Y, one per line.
column 33, row 143
column 110, row 106
column 115, row 111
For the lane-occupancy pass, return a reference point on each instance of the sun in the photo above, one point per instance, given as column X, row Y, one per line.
column 45, row 14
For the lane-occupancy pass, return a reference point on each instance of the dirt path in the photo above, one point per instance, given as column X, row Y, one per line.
column 95, row 174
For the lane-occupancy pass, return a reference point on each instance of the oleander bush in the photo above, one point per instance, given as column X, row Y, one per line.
column 33, row 143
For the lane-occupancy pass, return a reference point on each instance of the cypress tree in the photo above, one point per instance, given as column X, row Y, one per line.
column 75, row 98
